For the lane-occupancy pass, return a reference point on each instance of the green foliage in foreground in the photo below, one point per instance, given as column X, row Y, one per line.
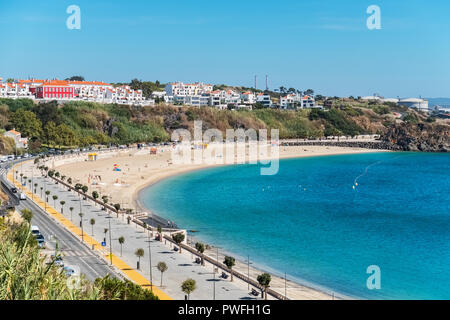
column 25, row 274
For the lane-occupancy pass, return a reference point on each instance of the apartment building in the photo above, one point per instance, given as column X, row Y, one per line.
column 264, row 99
column 187, row 89
column 62, row 90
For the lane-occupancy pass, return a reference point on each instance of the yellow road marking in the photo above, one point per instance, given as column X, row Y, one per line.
column 132, row 274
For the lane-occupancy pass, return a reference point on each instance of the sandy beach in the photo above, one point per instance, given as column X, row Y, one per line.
column 120, row 175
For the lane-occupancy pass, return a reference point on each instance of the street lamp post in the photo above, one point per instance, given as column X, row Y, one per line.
column 110, row 242
column 285, row 286
column 150, row 257
column 45, row 191
column 248, row 271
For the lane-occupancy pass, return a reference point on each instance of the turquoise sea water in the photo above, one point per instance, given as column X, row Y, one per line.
column 308, row 220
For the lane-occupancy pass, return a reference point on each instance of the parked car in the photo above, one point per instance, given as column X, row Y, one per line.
column 35, row 231
column 22, row 196
column 14, row 190
column 70, row 271
column 41, row 240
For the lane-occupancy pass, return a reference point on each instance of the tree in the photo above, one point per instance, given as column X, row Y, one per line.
column 178, row 238
column 264, row 280
column 139, row 253
column 144, row 226
column 75, row 78
column 84, row 189
column 188, row 286
column 309, row 92
column 92, row 222
column 71, row 210
column 47, row 193
column 230, row 262
column 117, row 207
column 200, row 248
column 27, row 123
column 95, row 195
column 51, row 134
column 115, row 289
column 65, row 136
column 162, row 267
column 62, row 203
column 121, row 242
column 55, row 197
column 69, row 181
column 27, row 215
column 160, row 233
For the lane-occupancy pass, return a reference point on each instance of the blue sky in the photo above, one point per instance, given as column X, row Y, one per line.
column 324, row 45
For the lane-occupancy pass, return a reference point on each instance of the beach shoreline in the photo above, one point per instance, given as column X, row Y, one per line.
column 297, row 287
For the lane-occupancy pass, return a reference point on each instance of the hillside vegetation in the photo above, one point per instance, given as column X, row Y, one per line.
column 85, row 123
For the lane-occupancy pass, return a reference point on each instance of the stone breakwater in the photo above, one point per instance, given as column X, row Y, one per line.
column 423, row 146
column 379, row 145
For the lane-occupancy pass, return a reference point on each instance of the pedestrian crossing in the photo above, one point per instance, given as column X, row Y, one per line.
column 3, row 171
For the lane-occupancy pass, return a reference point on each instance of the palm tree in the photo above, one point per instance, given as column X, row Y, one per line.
column 105, row 231
column 178, row 238
column 139, row 253
column 105, row 201
column 47, row 194
column 55, row 197
column 230, row 262
column 160, row 233
column 35, row 187
column 188, row 286
column 95, row 195
column 92, row 222
column 62, row 206
column 42, row 188
column 144, row 225
column 121, row 242
column 71, row 210
column 200, row 248
column 81, row 214
column 264, row 280
column 162, row 266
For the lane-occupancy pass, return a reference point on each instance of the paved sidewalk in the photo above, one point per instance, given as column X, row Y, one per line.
column 180, row 266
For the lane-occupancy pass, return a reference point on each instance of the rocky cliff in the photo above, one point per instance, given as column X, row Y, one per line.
column 426, row 137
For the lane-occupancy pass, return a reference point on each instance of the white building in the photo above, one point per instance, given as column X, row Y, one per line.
column 308, row 102
column 187, row 89
column 21, row 143
column 248, row 97
column 264, row 99
column 419, row 104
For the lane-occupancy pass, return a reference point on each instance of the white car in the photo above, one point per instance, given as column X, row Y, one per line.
column 35, row 230
column 23, row 196
column 70, row 271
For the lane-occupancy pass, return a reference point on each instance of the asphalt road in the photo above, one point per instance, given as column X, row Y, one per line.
column 74, row 252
